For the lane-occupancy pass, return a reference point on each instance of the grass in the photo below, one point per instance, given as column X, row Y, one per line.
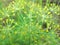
column 28, row 23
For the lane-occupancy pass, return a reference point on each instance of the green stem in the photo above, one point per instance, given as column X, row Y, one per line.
column 47, row 2
column 41, row 2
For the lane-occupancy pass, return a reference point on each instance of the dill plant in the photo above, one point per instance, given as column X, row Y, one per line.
column 21, row 24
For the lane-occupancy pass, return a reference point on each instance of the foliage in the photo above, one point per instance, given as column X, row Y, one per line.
column 28, row 23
